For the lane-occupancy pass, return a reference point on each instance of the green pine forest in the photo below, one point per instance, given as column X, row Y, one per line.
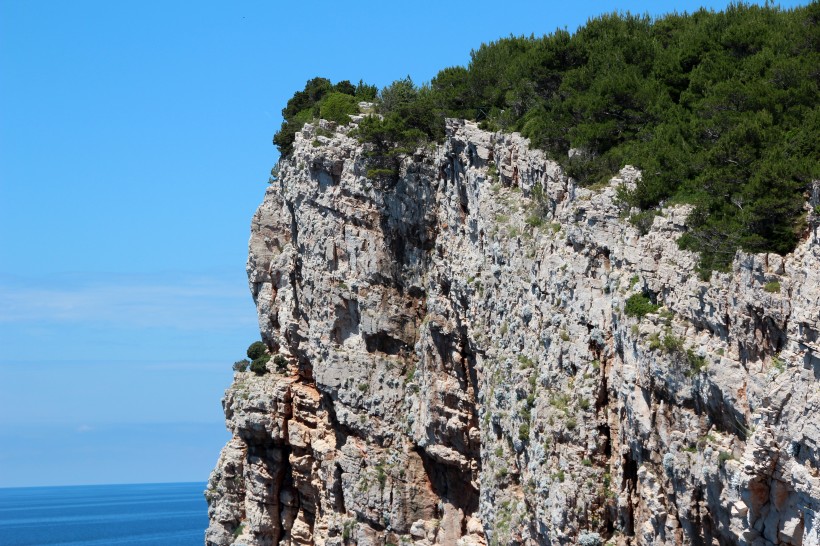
column 718, row 109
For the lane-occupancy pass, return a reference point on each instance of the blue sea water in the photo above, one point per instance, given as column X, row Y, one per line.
column 167, row 514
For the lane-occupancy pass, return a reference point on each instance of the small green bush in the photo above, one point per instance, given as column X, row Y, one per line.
column 534, row 220
column 560, row 401
column 772, row 287
column 280, row 362
column 531, row 400
column 525, row 361
column 672, row 343
column 260, row 365
column 524, row 432
column 696, row 363
column 381, row 475
column 639, row 305
column 338, row 107
column 379, row 174
column 643, row 221
column 241, row 365
column 492, row 171
column 256, row 350
column 410, row 373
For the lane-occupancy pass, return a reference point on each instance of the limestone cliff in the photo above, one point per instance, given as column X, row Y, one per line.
column 461, row 368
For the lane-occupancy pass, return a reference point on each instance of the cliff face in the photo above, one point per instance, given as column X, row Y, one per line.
column 461, row 371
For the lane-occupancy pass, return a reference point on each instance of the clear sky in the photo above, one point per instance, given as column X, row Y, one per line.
column 135, row 144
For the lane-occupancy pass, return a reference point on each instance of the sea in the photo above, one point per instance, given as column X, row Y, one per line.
column 165, row 514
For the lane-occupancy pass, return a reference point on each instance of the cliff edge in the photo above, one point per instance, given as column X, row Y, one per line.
column 480, row 352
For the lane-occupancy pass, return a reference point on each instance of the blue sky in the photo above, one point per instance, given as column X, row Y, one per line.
column 135, row 144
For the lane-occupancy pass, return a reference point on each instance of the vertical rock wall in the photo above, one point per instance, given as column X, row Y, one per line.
column 460, row 368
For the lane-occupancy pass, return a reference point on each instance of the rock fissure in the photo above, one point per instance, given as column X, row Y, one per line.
column 462, row 369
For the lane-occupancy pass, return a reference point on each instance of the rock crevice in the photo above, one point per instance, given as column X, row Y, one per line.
column 462, row 370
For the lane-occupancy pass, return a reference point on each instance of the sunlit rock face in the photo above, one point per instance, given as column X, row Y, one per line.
column 457, row 365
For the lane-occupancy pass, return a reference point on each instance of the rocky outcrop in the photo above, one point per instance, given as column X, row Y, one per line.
column 461, row 369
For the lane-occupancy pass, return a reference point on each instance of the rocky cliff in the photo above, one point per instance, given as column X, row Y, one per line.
column 461, row 368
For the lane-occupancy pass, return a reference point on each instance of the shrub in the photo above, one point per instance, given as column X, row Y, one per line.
column 531, row 399
column 348, row 528
column 260, row 365
column 398, row 94
column 319, row 98
column 410, row 373
column 643, row 221
column 672, row 343
column 338, row 107
column 280, row 362
column 524, row 432
column 381, row 475
column 256, row 350
column 639, row 305
column 560, row 401
column 696, row 362
column 534, row 220
column 241, row 365
column 525, row 361
column 724, row 456
column 772, row 287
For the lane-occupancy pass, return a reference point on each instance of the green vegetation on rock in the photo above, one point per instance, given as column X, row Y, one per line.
column 639, row 305
column 718, row 109
column 241, row 365
column 320, row 99
column 260, row 365
column 256, row 350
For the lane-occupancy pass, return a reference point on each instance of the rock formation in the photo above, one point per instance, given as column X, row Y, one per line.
column 461, row 369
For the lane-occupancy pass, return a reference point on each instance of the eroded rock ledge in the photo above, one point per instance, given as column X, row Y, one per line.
column 462, row 371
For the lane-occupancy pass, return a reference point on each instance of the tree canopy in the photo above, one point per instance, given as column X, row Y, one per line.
column 718, row 109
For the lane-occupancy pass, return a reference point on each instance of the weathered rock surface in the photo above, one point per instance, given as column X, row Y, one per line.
column 462, row 371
